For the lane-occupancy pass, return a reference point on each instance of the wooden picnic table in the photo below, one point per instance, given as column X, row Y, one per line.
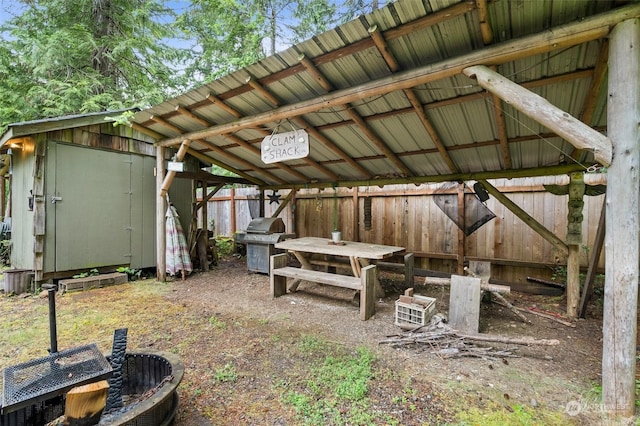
column 359, row 254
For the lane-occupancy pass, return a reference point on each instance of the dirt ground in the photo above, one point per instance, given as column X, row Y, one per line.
column 558, row 378
column 243, row 351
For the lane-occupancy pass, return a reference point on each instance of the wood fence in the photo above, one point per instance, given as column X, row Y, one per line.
column 407, row 216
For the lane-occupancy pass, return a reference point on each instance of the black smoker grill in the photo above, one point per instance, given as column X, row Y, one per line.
column 259, row 238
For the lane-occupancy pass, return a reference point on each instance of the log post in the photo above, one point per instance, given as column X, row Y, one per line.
column 168, row 179
column 574, row 241
column 544, row 112
column 621, row 236
column 461, row 227
column 161, row 231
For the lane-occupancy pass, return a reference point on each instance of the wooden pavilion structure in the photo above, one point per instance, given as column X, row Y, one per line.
column 446, row 90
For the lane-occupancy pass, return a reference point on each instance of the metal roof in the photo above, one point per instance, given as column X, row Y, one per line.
column 384, row 101
column 24, row 128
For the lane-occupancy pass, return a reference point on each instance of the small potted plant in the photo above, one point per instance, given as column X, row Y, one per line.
column 336, row 235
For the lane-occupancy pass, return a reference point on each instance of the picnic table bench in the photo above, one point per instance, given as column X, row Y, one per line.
column 364, row 279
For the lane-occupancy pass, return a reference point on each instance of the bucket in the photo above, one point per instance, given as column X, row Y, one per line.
column 17, row 281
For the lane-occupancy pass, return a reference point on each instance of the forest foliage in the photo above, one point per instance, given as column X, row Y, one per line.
column 60, row 57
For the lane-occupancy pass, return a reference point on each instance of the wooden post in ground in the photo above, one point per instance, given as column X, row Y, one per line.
column 277, row 283
column 623, row 208
column 464, row 304
column 367, row 294
column 596, row 250
column 409, row 262
column 576, row 192
column 161, row 208
column 461, row 226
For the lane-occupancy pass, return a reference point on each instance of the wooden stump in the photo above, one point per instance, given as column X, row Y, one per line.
column 85, row 403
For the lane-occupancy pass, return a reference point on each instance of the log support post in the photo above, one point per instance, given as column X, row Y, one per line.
column 574, row 241
column 161, row 207
column 622, row 209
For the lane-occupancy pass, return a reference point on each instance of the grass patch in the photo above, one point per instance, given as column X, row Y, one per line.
column 336, row 388
column 507, row 415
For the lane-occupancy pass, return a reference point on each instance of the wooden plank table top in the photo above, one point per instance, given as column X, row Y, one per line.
column 351, row 249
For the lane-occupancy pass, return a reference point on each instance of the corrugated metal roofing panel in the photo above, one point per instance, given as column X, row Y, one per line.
column 347, row 57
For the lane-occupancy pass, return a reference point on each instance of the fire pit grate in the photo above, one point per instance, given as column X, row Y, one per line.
column 55, row 374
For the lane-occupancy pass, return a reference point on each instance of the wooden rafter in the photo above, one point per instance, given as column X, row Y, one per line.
column 218, row 150
column 561, row 37
column 220, row 103
column 245, row 163
column 165, row 123
column 597, row 83
column 358, row 120
column 485, row 25
column 467, row 98
column 461, row 147
column 541, row 110
column 393, row 65
column 333, row 147
column 276, row 102
column 193, row 116
column 206, row 159
column 240, row 142
column 502, row 131
column 256, row 151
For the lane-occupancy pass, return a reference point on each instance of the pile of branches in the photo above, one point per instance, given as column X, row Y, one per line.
column 440, row 339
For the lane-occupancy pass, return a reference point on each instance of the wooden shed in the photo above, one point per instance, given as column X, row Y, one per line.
column 83, row 195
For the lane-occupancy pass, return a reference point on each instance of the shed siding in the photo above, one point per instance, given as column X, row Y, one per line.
column 22, row 255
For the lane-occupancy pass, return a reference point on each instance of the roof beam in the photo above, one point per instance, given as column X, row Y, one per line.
column 535, row 106
column 453, row 177
column 206, row 159
column 557, row 38
column 393, row 65
column 215, row 148
column 274, row 101
column 317, row 75
column 558, row 79
column 502, row 131
column 244, row 144
column 188, row 113
column 357, row 119
column 221, row 151
column 597, row 82
column 485, row 25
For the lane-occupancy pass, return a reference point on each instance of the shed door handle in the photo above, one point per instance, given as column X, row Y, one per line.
column 55, row 199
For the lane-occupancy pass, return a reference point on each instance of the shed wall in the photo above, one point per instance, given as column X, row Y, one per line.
column 129, row 208
column 22, row 165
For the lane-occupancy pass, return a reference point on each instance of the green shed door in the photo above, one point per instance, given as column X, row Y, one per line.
column 92, row 208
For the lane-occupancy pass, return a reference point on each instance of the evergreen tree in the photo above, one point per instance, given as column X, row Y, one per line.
column 75, row 56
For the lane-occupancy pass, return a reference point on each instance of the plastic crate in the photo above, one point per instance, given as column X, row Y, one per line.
column 415, row 314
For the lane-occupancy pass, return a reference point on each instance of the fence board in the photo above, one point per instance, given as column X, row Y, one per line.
column 407, row 216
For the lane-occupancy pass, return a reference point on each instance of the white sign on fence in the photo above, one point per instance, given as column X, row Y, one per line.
column 285, row 146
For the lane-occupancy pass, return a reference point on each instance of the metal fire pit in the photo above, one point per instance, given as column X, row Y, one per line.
column 260, row 237
column 150, row 382
column 40, row 379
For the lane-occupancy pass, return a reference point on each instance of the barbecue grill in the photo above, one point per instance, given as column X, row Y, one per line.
column 260, row 237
